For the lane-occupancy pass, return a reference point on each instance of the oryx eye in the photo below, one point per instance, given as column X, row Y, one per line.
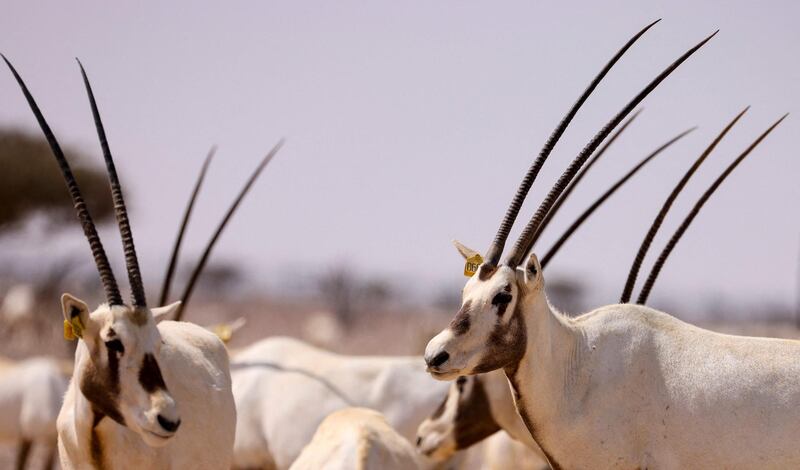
column 501, row 298
column 115, row 345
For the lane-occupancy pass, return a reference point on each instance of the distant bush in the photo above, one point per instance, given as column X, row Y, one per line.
column 31, row 183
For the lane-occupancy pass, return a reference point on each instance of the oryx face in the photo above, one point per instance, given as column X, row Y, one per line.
column 120, row 373
column 488, row 332
column 463, row 419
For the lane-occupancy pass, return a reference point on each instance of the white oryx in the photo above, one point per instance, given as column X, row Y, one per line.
column 284, row 388
column 358, row 439
column 622, row 386
column 31, row 392
column 143, row 394
column 477, row 406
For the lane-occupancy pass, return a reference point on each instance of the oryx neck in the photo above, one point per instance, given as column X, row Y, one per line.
column 548, row 369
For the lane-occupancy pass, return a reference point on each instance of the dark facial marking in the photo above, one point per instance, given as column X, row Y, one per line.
column 115, row 346
column 506, row 343
column 461, row 322
column 150, row 375
column 460, row 383
column 100, row 385
column 139, row 316
column 474, row 421
column 486, row 271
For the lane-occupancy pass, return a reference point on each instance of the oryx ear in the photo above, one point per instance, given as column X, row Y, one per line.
column 76, row 316
column 466, row 252
column 166, row 312
column 533, row 271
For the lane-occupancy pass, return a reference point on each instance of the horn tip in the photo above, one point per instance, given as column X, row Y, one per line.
column 8, row 62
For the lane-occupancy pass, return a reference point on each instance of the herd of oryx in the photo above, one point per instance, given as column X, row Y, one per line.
column 622, row 386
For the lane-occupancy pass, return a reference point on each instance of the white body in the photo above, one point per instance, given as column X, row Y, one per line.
column 31, row 392
column 284, row 388
column 195, row 366
column 629, row 387
column 501, row 452
column 358, row 439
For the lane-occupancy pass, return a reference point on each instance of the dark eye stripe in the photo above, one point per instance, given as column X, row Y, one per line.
column 501, row 298
column 116, row 346
column 150, row 375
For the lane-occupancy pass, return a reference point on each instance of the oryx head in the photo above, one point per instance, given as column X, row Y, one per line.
column 463, row 419
column 120, row 373
column 117, row 362
column 489, row 332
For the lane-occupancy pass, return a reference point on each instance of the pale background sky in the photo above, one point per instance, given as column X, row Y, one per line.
column 411, row 123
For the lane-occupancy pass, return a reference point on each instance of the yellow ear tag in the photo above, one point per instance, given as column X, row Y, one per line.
column 223, row 332
column 472, row 264
column 72, row 331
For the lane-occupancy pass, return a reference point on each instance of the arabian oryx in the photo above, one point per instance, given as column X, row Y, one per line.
column 358, row 439
column 476, row 407
column 31, row 392
column 622, row 386
column 143, row 394
column 284, row 388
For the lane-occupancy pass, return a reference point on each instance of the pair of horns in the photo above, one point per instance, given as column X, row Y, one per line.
column 198, row 269
column 529, row 233
column 101, row 260
column 648, row 239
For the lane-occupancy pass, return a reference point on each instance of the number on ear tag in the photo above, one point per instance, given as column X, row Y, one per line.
column 472, row 264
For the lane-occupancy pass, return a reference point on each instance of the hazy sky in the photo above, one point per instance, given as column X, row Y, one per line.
column 411, row 123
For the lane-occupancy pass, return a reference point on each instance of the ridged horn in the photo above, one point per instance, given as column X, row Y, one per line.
column 496, row 248
column 651, row 233
column 166, row 286
column 100, row 259
column 662, row 258
column 525, row 241
column 131, row 261
column 609, row 192
column 597, row 155
column 187, row 293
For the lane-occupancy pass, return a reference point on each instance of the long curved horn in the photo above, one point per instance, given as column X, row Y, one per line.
column 173, row 259
column 609, row 192
column 187, row 293
column 662, row 258
column 131, row 261
column 100, row 259
column 597, row 155
column 651, row 233
column 496, row 248
column 525, row 241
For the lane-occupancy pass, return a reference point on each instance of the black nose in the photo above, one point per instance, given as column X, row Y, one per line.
column 169, row 426
column 440, row 359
